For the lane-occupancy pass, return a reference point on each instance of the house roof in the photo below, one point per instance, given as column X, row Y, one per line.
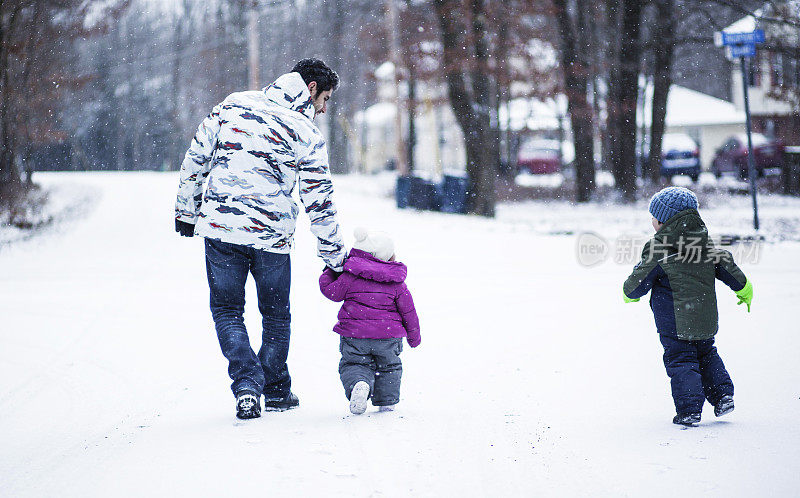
column 687, row 107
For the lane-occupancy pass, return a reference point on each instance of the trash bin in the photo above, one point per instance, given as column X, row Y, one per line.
column 436, row 197
column 791, row 171
column 415, row 193
column 424, row 194
column 402, row 191
column 454, row 194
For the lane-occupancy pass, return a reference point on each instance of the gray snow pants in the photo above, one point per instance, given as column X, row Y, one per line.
column 376, row 362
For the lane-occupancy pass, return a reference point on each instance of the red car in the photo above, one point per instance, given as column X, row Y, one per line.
column 732, row 156
column 539, row 156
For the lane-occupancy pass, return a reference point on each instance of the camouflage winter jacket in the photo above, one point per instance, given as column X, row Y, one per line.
column 680, row 265
column 239, row 173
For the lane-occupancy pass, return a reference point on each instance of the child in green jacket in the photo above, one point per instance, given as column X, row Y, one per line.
column 679, row 266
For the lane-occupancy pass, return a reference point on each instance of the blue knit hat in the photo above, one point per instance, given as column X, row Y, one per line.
column 671, row 201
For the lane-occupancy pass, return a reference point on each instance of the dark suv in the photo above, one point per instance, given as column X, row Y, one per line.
column 732, row 156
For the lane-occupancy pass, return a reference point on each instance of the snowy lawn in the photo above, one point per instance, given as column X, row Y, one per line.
column 533, row 378
column 725, row 205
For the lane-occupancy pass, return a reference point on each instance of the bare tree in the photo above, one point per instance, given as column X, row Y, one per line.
column 337, row 13
column 626, row 96
column 35, row 42
column 610, row 35
column 663, row 36
column 574, row 26
column 465, row 63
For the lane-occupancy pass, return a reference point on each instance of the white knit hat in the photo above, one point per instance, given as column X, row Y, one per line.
column 378, row 244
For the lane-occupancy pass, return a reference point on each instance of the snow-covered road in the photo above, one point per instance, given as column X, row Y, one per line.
column 533, row 378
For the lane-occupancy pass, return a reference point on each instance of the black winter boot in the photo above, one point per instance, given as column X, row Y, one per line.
column 280, row 405
column 723, row 406
column 688, row 420
column 248, row 405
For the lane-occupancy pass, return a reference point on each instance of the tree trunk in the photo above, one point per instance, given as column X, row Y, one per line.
column 610, row 144
column 502, row 94
column 176, row 137
column 576, row 83
column 120, row 108
column 411, row 103
column 487, row 134
column 412, row 120
column 336, row 112
column 663, row 51
column 3, row 96
column 471, row 109
column 8, row 167
column 624, row 162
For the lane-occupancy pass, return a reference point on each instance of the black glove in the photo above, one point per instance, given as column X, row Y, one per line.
column 185, row 229
column 336, row 274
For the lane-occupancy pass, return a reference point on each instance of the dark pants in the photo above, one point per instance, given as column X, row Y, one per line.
column 227, row 266
column 696, row 373
column 376, row 362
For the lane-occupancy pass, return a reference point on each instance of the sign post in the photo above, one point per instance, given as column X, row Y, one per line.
column 751, row 160
column 743, row 46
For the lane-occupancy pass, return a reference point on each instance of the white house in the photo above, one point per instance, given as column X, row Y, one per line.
column 708, row 120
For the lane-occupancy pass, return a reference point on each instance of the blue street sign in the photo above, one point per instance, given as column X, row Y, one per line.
column 722, row 38
column 736, row 51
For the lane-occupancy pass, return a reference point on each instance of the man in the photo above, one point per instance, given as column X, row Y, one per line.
column 251, row 151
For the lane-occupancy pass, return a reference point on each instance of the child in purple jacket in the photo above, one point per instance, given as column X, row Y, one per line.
column 377, row 313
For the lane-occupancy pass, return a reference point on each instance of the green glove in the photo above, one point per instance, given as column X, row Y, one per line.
column 629, row 300
column 746, row 294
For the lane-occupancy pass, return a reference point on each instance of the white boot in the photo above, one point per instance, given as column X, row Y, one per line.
column 358, row 398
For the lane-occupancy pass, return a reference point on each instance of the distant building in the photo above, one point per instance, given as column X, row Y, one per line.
column 440, row 144
column 773, row 77
column 439, row 141
column 708, row 120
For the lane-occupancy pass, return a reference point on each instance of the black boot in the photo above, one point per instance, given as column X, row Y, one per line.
column 283, row 404
column 248, row 405
column 723, row 406
column 688, row 420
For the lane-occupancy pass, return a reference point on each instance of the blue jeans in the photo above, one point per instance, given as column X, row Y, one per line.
column 696, row 373
column 227, row 266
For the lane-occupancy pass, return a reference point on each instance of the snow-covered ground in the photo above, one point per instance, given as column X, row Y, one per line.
column 533, row 378
column 725, row 205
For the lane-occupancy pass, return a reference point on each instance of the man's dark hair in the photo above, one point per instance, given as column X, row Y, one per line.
column 316, row 70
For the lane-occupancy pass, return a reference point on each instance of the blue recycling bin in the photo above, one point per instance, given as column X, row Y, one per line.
column 436, row 194
column 403, row 191
column 448, row 196
column 454, row 194
column 423, row 195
